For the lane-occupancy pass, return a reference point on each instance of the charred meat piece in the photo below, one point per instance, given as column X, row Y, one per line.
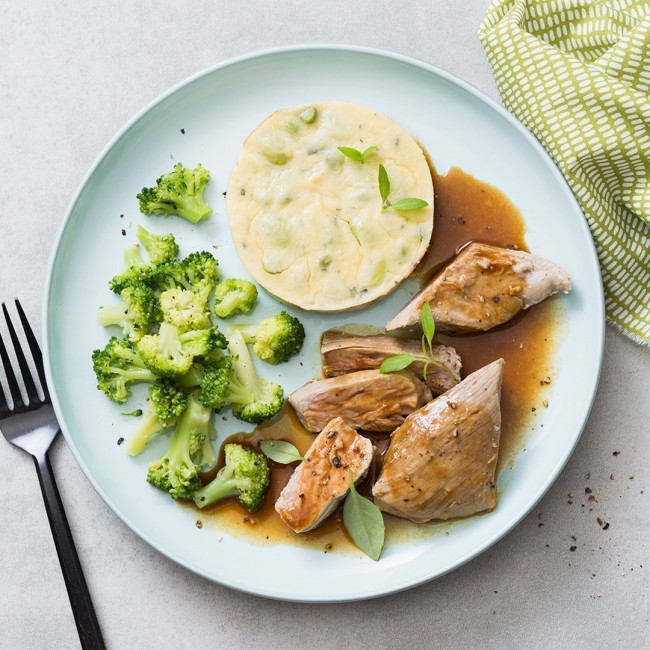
column 441, row 462
column 319, row 483
column 483, row 287
column 366, row 400
column 343, row 353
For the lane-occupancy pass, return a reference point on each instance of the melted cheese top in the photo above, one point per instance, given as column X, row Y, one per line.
column 308, row 221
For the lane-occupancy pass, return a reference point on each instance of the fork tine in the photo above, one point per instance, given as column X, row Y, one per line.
column 14, row 389
column 4, row 406
column 34, row 347
column 28, row 380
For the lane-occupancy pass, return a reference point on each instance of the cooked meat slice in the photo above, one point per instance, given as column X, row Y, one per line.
column 441, row 462
column 366, row 400
column 343, row 353
column 321, row 480
column 483, row 287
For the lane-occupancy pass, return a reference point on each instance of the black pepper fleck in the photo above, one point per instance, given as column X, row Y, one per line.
column 183, row 131
column 120, row 441
column 123, row 232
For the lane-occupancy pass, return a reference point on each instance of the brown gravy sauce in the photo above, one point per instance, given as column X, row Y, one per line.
column 465, row 210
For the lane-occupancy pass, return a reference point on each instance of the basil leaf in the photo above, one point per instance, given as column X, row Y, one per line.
column 367, row 152
column 384, row 183
column 428, row 324
column 351, row 153
column 280, row 451
column 396, row 363
column 364, row 522
column 409, row 204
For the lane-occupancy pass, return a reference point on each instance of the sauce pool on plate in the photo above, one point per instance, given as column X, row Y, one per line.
column 466, row 210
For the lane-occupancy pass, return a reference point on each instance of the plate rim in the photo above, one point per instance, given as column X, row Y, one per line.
column 381, row 54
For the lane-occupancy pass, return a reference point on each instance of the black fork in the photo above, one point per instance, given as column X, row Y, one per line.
column 33, row 427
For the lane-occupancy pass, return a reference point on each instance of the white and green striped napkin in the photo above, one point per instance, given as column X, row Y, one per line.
column 577, row 74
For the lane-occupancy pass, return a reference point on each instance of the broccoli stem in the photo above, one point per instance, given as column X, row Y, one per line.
column 135, row 374
column 147, row 427
column 194, row 421
column 224, row 485
column 243, row 363
column 132, row 256
column 248, row 332
column 112, row 314
column 227, row 304
column 193, row 208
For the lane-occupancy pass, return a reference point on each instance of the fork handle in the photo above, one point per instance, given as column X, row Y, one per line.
column 88, row 628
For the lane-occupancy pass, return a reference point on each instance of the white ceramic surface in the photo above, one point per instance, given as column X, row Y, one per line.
column 217, row 109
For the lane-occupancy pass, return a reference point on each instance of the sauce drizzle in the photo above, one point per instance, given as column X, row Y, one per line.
column 466, row 210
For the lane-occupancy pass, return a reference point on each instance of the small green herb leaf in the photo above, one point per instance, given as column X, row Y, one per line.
column 351, row 153
column 396, row 363
column 364, row 522
column 355, row 154
column 384, row 184
column 280, row 451
column 137, row 413
column 409, row 204
column 428, row 324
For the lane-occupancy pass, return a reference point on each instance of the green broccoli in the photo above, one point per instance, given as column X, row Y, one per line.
column 117, row 367
column 138, row 309
column 179, row 192
column 167, row 402
column 185, row 310
column 170, row 353
column 136, row 271
column 245, row 475
column 233, row 381
column 197, row 273
column 276, row 338
column 234, row 296
column 161, row 248
column 190, row 450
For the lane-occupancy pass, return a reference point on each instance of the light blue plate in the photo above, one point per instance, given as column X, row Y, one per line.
column 218, row 109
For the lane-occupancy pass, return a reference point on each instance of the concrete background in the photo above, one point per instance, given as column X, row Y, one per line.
column 72, row 73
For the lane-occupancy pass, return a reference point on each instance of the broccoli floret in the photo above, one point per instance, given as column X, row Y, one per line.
column 190, row 450
column 276, row 338
column 179, row 192
column 245, row 475
column 234, row 296
column 191, row 272
column 138, row 309
column 136, row 272
column 233, row 381
column 117, row 367
column 170, row 353
column 167, row 402
column 197, row 273
column 185, row 310
column 161, row 248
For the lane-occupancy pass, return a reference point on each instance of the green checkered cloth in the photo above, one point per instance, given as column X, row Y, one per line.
column 577, row 74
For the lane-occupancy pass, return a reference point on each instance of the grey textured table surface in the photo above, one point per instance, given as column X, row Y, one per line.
column 72, row 73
